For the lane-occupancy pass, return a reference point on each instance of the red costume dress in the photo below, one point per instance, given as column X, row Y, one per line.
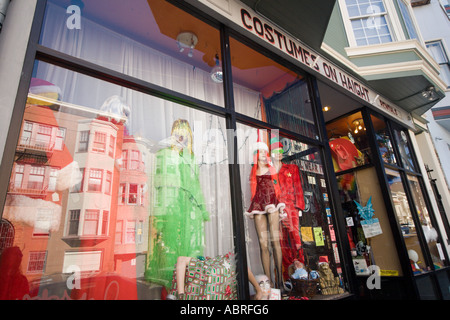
column 265, row 199
column 291, row 194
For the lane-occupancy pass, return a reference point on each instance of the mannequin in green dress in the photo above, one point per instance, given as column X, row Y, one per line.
column 179, row 209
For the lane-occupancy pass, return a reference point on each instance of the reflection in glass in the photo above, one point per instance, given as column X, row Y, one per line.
column 105, row 182
column 384, row 140
column 431, row 235
column 175, row 51
column 404, row 149
column 348, row 142
column 284, row 187
column 406, row 222
column 273, row 93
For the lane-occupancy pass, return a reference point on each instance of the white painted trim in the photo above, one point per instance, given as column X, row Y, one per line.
column 428, row 65
column 392, row 47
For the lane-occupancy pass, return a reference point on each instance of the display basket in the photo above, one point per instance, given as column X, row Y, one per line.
column 303, row 287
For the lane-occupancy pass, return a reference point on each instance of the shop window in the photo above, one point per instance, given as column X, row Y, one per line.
column 384, row 141
column 176, row 51
column 191, row 216
column 403, row 144
column 367, row 223
column 268, row 91
column 289, row 222
column 348, row 142
column 405, row 219
column 370, row 236
column 430, row 232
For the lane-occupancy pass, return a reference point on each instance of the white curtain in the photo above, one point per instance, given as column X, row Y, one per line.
column 150, row 117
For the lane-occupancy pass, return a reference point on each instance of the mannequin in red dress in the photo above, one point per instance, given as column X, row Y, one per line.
column 266, row 209
column 291, row 194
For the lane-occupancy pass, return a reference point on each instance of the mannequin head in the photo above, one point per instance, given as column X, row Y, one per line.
column 182, row 135
column 264, row 284
column 276, row 150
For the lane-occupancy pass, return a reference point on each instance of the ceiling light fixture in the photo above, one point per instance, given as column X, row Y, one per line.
column 359, row 125
column 187, row 40
column 216, row 72
column 429, row 93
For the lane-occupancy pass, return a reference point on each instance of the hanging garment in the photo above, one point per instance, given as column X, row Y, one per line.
column 178, row 214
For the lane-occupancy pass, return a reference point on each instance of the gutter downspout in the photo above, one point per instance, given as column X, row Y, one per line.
column 3, row 8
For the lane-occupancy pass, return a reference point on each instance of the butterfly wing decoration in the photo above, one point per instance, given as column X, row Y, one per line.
column 366, row 212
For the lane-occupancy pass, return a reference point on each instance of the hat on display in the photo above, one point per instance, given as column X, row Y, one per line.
column 276, row 146
column 344, row 152
column 43, row 89
column 260, row 146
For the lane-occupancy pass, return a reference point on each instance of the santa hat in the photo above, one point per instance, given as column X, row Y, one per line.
column 275, row 145
column 260, row 146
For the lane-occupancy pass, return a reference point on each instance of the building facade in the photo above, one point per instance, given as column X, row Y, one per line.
column 142, row 132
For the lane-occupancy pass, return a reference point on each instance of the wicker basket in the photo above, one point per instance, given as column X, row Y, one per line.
column 304, row 287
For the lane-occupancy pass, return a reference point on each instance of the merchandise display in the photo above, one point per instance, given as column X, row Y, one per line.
column 179, row 209
column 266, row 210
column 292, row 196
column 204, row 278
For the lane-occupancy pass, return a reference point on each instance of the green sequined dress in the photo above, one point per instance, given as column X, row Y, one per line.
column 178, row 215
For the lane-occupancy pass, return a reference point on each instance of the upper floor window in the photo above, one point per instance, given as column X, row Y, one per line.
column 437, row 50
column 407, row 19
column 369, row 22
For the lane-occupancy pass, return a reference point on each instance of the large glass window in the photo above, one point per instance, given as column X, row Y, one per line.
column 430, row 232
column 150, row 40
column 268, row 91
column 384, row 140
column 105, row 232
column 368, row 229
column 289, row 223
column 349, row 142
column 404, row 148
column 405, row 219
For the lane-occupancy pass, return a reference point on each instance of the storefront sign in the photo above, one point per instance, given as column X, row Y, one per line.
column 253, row 23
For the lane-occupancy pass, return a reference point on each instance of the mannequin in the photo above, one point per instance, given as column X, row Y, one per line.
column 179, row 209
column 291, row 194
column 266, row 209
